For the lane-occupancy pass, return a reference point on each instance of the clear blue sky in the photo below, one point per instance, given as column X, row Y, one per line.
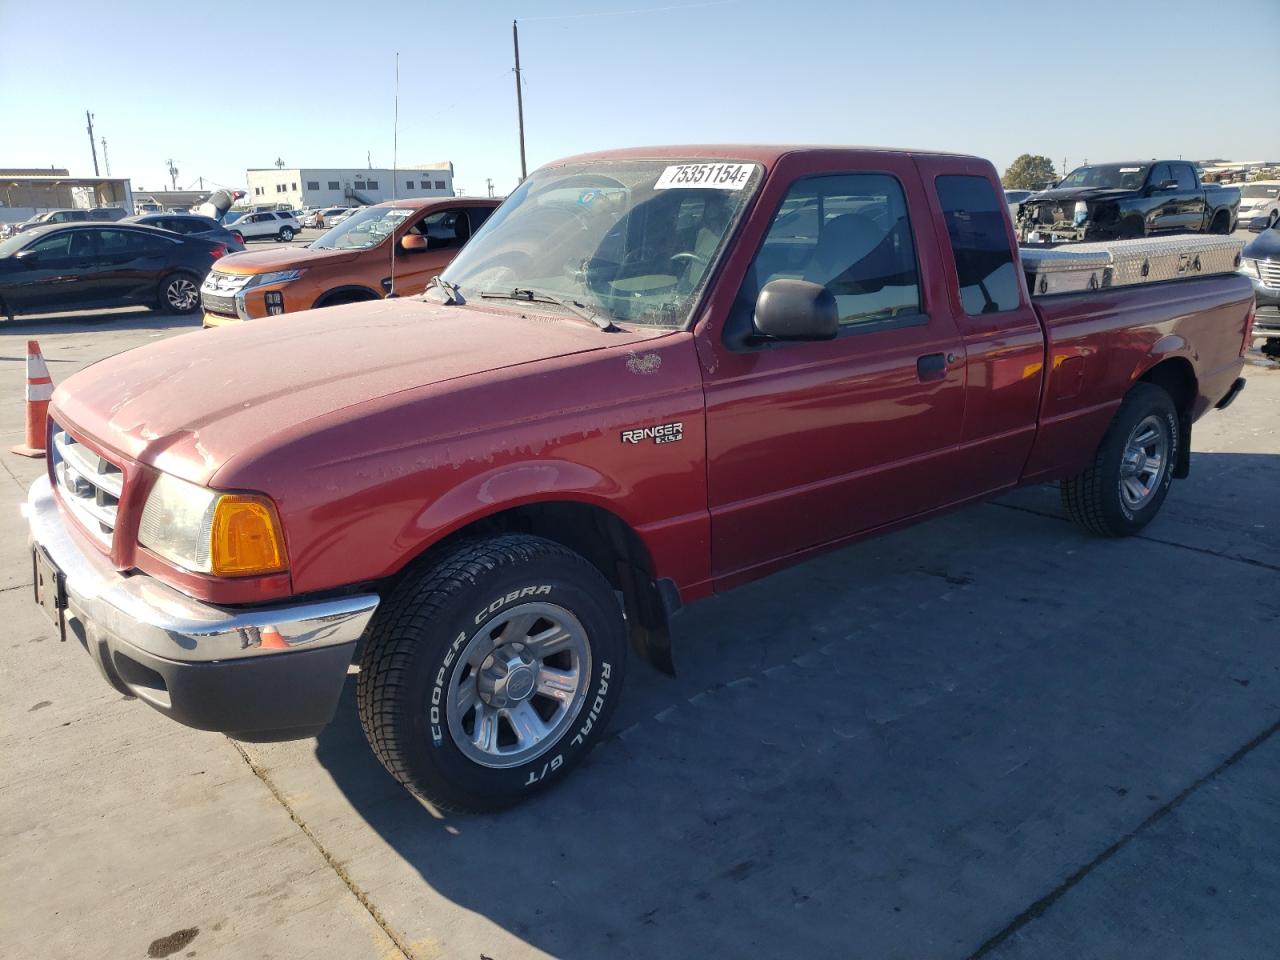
column 223, row 86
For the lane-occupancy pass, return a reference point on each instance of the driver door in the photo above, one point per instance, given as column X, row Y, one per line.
column 446, row 232
column 59, row 271
column 811, row 443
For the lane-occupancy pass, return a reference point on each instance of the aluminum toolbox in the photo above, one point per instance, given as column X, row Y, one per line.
column 1058, row 270
column 1153, row 259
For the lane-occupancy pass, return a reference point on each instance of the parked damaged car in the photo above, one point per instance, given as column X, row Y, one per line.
column 1119, row 201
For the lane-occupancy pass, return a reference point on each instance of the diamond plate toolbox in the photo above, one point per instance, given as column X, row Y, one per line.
column 1154, row 259
column 1054, row 270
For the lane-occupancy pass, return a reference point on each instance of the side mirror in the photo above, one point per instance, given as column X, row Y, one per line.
column 414, row 243
column 796, row 310
column 27, row 257
column 1167, row 185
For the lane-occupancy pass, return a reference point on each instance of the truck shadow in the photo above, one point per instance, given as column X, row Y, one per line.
column 891, row 750
column 127, row 318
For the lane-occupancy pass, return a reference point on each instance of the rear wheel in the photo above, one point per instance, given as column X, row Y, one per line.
column 286, row 234
column 179, row 293
column 1122, row 490
column 489, row 674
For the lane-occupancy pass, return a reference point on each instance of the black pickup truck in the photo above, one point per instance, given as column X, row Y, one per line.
column 1117, row 201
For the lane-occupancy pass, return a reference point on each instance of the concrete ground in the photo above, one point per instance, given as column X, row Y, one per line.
column 991, row 735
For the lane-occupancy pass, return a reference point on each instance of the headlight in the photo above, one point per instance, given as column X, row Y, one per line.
column 225, row 534
column 1081, row 213
column 281, row 276
column 1249, row 267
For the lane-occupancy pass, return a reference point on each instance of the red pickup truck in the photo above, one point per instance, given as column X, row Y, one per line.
column 651, row 376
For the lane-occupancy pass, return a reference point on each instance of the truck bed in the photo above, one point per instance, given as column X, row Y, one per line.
column 1098, row 341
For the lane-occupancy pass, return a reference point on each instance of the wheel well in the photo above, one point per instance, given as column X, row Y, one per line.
column 1222, row 216
column 340, row 295
column 1177, row 378
column 611, row 546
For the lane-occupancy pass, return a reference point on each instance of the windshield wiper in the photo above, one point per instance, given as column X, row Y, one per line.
column 452, row 295
column 536, row 296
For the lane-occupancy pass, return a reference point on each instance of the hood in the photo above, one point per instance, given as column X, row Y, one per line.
column 1072, row 194
column 188, row 404
column 282, row 258
column 1265, row 246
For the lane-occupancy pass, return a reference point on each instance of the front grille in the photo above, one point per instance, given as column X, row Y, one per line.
column 90, row 485
column 218, row 292
column 1051, row 212
column 1270, row 270
column 215, row 303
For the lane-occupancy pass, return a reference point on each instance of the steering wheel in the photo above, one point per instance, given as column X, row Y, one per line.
column 692, row 257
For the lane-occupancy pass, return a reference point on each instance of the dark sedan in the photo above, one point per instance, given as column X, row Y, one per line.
column 93, row 266
column 193, row 225
column 1260, row 262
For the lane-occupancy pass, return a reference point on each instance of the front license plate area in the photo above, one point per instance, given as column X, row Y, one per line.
column 51, row 589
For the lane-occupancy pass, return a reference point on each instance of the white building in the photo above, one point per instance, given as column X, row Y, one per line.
column 303, row 187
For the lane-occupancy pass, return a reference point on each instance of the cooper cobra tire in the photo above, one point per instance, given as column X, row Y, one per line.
column 1122, row 490
column 475, row 657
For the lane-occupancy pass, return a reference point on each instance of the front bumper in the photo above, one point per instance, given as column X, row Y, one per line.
column 1266, row 321
column 258, row 673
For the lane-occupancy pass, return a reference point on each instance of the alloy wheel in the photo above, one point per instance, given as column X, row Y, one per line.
column 1145, row 460
column 520, row 684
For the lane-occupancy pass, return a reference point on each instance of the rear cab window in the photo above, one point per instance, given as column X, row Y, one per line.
column 986, row 269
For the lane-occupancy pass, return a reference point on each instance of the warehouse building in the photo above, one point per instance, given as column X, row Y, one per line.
column 304, row 187
column 25, row 192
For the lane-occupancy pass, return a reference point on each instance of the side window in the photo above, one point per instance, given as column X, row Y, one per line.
column 1186, row 178
column 123, row 242
column 1160, row 174
column 445, row 229
column 980, row 247
column 851, row 234
column 54, row 246
column 478, row 216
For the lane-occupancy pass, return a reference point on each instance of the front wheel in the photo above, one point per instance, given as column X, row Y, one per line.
column 286, row 234
column 1122, row 490
column 490, row 674
column 179, row 293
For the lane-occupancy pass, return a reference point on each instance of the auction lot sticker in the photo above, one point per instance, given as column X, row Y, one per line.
column 716, row 176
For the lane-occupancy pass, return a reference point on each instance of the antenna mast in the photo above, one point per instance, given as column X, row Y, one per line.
column 395, row 155
column 515, row 40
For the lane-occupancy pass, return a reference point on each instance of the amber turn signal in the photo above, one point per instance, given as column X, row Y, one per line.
column 245, row 537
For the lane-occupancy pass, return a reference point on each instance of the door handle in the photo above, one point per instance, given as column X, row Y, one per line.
column 933, row 366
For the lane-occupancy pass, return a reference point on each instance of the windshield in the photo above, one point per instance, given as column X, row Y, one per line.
column 365, row 228
column 629, row 240
column 1115, row 176
column 1260, row 191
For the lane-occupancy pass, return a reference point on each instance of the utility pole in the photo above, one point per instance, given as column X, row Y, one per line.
column 489, row 183
column 368, row 158
column 89, row 117
column 202, row 183
column 105, row 161
column 515, row 41
column 279, row 163
column 173, row 174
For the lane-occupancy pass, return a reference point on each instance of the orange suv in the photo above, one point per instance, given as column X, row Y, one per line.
column 348, row 263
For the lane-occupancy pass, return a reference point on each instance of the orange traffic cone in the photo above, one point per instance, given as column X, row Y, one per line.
column 39, row 390
column 271, row 639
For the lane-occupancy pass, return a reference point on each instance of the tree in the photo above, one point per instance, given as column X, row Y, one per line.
column 1029, row 172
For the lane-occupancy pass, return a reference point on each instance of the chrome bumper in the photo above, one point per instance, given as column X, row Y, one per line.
column 158, row 619
column 260, row 673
